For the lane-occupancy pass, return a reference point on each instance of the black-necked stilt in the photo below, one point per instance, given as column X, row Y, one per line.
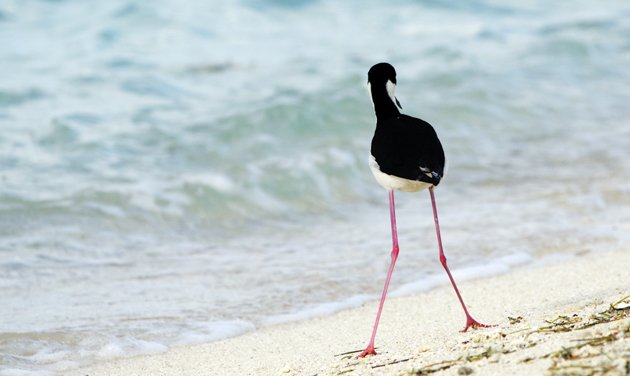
column 406, row 156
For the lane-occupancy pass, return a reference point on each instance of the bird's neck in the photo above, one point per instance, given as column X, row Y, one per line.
column 384, row 105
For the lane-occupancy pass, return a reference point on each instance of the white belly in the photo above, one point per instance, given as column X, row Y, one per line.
column 391, row 182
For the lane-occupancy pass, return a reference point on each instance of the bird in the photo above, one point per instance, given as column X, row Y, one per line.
column 407, row 156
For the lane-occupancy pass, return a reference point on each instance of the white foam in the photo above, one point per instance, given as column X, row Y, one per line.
column 216, row 181
column 554, row 258
column 24, row 372
column 49, row 355
column 203, row 332
column 319, row 310
column 341, row 157
column 129, row 346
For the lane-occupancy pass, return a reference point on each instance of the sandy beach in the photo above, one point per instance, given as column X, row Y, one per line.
column 570, row 317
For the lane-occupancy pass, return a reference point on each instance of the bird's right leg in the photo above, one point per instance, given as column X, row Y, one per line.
column 470, row 321
column 369, row 350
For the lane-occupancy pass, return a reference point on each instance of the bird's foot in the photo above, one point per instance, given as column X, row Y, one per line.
column 472, row 323
column 368, row 351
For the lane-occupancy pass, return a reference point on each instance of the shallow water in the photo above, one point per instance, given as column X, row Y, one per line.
column 177, row 173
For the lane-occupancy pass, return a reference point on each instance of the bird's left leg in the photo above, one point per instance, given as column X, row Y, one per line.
column 369, row 350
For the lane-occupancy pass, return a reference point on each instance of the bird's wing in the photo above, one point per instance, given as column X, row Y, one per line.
column 409, row 148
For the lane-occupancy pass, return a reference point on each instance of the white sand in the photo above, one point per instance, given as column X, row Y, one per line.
column 422, row 330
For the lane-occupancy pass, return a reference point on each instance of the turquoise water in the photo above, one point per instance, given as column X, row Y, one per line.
column 177, row 173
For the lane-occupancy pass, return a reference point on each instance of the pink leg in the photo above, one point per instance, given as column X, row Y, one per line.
column 369, row 350
column 470, row 322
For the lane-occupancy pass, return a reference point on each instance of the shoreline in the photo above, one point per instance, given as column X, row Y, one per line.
column 419, row 334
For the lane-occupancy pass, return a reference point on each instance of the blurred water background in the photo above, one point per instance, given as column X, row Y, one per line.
column 178, row 172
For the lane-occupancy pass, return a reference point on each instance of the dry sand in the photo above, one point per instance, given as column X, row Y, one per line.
column 553, row 319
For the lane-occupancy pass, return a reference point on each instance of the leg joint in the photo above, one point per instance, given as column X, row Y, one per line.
column 443, row 259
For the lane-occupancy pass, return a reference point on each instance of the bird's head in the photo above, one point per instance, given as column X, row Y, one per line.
column 383, row 75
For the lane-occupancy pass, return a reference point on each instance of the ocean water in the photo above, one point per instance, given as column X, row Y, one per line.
column 180, row 172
